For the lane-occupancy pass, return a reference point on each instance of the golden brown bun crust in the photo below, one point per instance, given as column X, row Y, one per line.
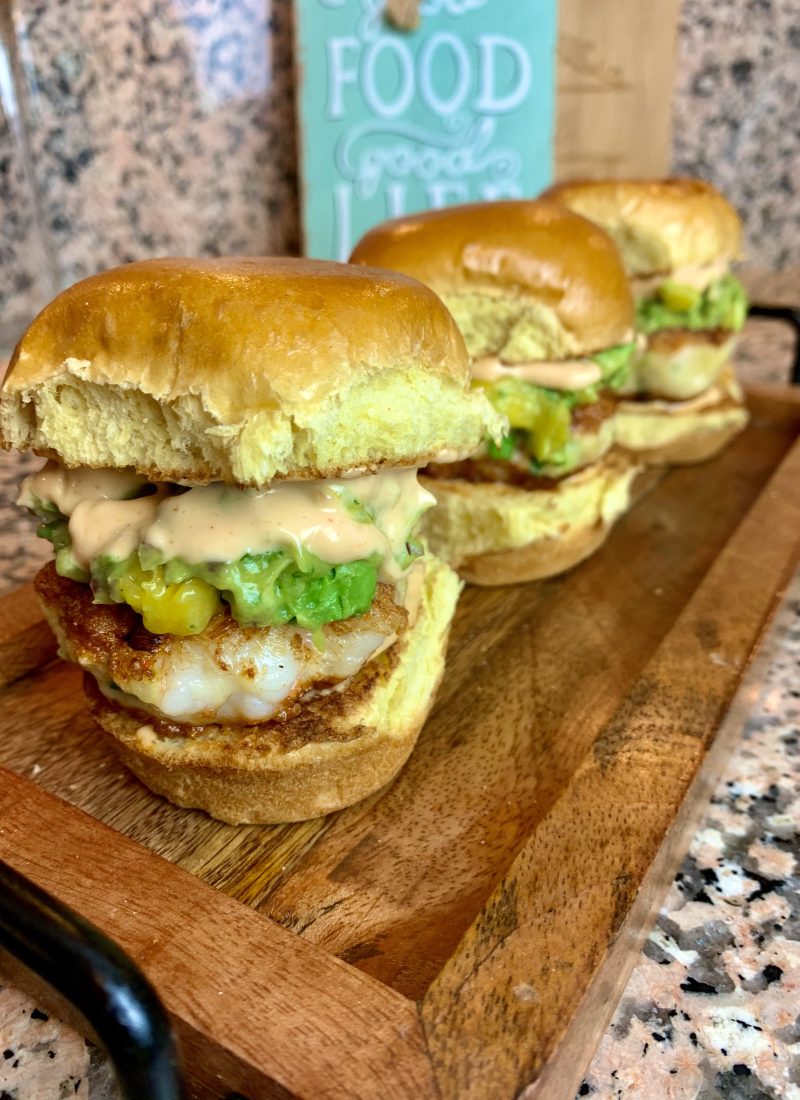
column 341, row 773
column 523, row 249
column 253, row 775
column 545, row 558
column 658, row 224
column 244, row 332
column 240, row 370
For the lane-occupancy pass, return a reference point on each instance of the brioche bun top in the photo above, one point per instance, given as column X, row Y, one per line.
column 543, row 266
column 242, row 370
column 658, row 225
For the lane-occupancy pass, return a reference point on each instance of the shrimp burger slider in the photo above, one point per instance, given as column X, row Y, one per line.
column 231, row 493
column 543, row 303
column 678, row 239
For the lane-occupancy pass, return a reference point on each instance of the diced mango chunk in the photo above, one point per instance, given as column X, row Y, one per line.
column 678, row 296
column 183, row 609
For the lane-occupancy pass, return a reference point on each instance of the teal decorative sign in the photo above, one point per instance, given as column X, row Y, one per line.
column 392, row 122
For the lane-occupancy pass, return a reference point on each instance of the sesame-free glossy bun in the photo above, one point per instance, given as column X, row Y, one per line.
column 243, row 370
column 524, row 280
column 658, row 225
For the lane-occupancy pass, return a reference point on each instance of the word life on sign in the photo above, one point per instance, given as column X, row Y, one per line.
column 392, row 122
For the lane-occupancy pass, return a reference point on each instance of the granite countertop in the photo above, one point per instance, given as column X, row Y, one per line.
column 711, row 1009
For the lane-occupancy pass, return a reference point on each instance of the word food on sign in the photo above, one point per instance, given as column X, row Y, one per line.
column 394, row 122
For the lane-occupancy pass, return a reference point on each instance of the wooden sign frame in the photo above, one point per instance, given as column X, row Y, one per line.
column 516, row 983
column 615, row 88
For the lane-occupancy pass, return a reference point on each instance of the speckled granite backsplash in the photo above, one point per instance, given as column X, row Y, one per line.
column 166, row 127
column 737, row 114
column 153, row 127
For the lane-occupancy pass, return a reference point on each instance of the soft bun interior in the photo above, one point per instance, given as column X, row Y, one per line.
column 550, row 528
column 659, row 433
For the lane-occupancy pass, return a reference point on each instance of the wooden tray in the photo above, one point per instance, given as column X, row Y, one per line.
column 467, row 931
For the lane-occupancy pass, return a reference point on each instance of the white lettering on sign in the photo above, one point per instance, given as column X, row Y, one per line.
column 451, row 7
column 342, row 197
column 416, row 75
column 427, row 60
column 396, row 200
column 420, row 114
column 488, row 100
column 339, row 74
column 443, row 193
column 376, row 53
column 374, row 152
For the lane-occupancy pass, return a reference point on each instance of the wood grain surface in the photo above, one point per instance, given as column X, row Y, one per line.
column 26, row 641
column 534, row 674
column 615, row 80
column 494, row 881
column 562, row 904
column 256, row 1009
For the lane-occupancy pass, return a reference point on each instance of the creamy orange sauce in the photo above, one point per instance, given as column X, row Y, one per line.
column 111, row 527
column 565, row 374
column 66, row 488
column 699, row 277
column 219, row 523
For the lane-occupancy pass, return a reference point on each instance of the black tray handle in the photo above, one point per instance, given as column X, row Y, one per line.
column 98, row 978
column 789, row 315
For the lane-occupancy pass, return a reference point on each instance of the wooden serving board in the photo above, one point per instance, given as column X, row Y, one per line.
column 466, row 932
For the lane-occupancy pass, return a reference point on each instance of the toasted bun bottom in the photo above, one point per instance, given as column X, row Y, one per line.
column 238, row 777
column 544, row 558
column 499, row 534
column 660, row 438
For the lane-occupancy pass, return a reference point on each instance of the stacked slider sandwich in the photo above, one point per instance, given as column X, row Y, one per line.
column 677, row 238
column 543, row 303
column 232, row 497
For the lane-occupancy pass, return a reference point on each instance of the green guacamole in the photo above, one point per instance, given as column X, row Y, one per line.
column 723, row 304
column 540, row 418
column 267, row 589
